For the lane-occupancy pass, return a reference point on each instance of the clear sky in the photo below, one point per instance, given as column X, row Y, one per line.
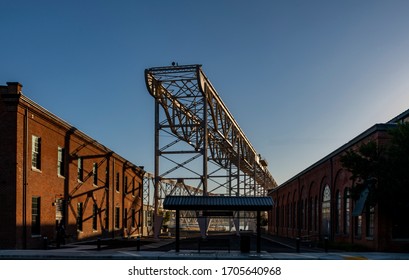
column 301, row 77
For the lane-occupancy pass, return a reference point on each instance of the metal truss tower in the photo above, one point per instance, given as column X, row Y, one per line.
column 198, row 143
column 164, row 187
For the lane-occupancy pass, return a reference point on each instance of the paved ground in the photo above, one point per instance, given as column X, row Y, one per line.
column 217, row 247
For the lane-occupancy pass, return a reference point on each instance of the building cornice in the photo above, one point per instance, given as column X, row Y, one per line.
column 382, row 127
column 44, row 113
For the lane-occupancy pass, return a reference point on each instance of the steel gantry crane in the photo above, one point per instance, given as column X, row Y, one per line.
column 198, row 143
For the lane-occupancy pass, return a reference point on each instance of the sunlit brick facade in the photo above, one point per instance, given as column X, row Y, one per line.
column 52, row 173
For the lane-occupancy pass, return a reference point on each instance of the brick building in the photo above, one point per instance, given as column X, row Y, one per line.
column 53, row 174
column 316, row 204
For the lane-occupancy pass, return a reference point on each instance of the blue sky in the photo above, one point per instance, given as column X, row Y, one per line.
column 301, row 77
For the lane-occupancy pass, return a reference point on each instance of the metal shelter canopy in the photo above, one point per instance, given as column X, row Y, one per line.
column 243, row 203
column 237, row 203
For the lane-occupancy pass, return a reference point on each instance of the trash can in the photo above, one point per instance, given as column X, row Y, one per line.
column 245, row 243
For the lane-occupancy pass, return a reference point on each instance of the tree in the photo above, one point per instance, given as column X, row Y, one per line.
column 366, row 165
column 384, row 170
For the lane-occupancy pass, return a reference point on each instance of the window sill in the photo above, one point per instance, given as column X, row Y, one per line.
column 36, row 170
column 61, row 176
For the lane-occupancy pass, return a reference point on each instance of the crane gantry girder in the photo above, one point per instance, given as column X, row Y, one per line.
column 196, row 115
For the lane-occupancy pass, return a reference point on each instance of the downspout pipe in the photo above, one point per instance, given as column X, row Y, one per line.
column 25, row 154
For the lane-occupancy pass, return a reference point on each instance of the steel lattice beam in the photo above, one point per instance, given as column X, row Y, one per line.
column 197, row 138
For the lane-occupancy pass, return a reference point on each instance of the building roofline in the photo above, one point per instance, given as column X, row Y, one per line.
column 370, row 131
column 64, row 124
column 400, row 117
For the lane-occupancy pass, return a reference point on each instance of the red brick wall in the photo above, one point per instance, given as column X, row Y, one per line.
column 296, row 213
column 26, row 119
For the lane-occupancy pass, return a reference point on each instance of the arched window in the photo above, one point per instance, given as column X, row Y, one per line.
column 347, row 211
column 282, row 212
column 326, row 211
column 277, row 213
column 310, row 213
column 294, row 222
column 306, row 213
column 288, row 215
column 316, row 214
column 301, row 218
column 338, row 213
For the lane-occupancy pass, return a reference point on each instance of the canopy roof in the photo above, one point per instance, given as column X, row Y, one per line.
column 244, row 203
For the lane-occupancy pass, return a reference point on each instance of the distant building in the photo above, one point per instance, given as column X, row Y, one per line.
column 315, row 204
column 52, row 174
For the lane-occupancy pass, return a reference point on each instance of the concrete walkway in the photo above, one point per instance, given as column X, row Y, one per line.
column 150, row 251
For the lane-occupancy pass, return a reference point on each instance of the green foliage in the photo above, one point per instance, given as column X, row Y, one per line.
column 398, row 165
column 365, row 164
column 384, row 168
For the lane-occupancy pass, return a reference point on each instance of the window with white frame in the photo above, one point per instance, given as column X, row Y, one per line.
column 35, row 216
column 61, row 162
column 95, row 173
column 80, row 210
column 80, row 170
column 36, row 152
